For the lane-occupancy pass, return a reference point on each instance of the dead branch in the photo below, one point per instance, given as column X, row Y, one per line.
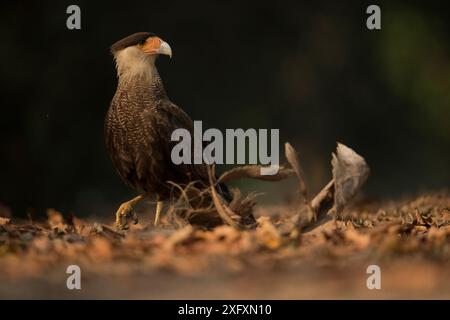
column 221, row 209
column 350, row 171
column 291, row 156
column 254, row 172
column 321, row 205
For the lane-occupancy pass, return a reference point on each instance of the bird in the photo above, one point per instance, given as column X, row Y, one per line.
column 139, row 124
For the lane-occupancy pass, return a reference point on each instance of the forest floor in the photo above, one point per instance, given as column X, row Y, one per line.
column 408, row 239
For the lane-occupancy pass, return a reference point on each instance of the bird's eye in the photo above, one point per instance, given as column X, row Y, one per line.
column 142, row 41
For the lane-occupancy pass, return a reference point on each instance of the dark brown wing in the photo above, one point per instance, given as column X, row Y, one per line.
column 141, row 147
column 166, row 118
column 172, row 117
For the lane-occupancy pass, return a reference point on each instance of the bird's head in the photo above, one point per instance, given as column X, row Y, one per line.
column 137, row 52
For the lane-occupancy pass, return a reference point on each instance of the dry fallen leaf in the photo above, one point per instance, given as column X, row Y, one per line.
column 55, row 221
column 100, row 249
column 360, row 240
column 178, row 237
column 267, row 234
column 4, row 221
column 350, row 171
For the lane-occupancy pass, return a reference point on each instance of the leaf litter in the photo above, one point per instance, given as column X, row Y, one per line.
column 198, row 237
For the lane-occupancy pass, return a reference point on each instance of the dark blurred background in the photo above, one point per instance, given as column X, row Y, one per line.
column 313, row 70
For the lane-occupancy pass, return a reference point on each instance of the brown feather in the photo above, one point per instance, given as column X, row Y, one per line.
column 138, row 130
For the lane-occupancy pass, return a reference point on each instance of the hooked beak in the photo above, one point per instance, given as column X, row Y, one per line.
column 155, row 45
column 164, row 48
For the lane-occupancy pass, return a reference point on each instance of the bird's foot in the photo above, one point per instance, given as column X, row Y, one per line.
column 126, row 213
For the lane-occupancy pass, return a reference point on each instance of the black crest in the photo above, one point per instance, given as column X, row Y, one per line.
column 131, row 40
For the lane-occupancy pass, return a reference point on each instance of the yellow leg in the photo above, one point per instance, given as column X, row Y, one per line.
column 159, row 206
column 126, row 212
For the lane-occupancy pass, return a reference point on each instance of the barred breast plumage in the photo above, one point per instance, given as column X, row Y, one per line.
column 138, row 128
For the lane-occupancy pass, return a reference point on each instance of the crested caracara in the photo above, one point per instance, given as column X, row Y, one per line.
column 139, row 125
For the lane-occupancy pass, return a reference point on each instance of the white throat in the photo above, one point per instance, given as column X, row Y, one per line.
column 132, row 62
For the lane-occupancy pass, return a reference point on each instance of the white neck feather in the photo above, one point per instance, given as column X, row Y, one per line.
column 132, row 62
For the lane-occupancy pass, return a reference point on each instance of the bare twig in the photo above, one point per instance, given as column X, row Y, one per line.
column 292, row 157
column 254, row 172
column 321, row 205
column 221, row 210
